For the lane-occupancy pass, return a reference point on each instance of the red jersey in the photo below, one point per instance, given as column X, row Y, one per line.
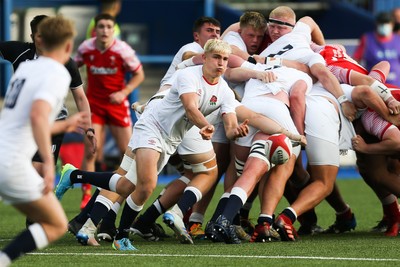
column 106, row 69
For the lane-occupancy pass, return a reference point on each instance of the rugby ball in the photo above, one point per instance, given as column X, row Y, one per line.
column 278, row 149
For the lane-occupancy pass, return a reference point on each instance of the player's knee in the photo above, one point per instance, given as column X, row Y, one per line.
column 209, row 165
column 257, row 150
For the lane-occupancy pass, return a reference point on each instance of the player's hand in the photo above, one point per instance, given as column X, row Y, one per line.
column 359, row 144
column 207, row 132
column 117, row 97
column 77, row 122
column 349, row 110
column 91, row 141
column 394, row 106
column 266, row 76
column 48, row 177
column 242, row 129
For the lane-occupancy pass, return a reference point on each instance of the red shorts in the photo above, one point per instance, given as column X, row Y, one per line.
column 104, row 112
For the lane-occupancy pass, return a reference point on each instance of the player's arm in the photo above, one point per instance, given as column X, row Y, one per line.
column 134, row 82
column 232, row 28
column 190, row 103
column 316, row 34
column 190, row 58
column 74, row 123
column 266, row 125
column 232, row 128
column 39, row 117
column 242, row 74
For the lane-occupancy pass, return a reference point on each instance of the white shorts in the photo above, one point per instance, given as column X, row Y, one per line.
column 273, row 109
column 322, row 119
column 219, row 135
column 323, row 106
column 192, row 143
column 21, row 184
column 322, row 152
column 147, row 135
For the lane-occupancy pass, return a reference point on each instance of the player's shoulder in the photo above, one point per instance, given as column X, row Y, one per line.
column 87, row 45
column 193, row 46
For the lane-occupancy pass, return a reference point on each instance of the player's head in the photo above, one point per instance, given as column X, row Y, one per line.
column 205, row 28
column 252, row 30
column 104, row 27
column 34, row 25
column 384, row 24
column 216, row 54
column 112, row 7
column 56, row 34
column 281, row 21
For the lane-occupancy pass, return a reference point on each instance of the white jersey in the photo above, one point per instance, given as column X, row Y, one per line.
column 193, row 47
column 295, row 46
column 234, row 38
column 169, row 114
column 317, row 129
column 286, row 77
column 27, row 85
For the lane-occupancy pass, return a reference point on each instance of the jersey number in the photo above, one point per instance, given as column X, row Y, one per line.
column 285, row 49
column 13, row 93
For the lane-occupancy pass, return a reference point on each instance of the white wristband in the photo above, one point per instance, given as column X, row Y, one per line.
column 273, row 61
column 341, row 99
column 186, row 63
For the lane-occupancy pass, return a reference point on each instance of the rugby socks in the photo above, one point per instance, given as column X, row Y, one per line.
column 236, row 200
column 391, row 208
column 196, row 217
column 290, row 213
column 100, row 209
column 85, row 212
column 151, row 214
column 32, row 238
column 99, row 179
column 129, row 213
column 264, row 218
column 190, row 196
column 111, row 215
column 346, row 214
column 245, row 210
column 220, row 206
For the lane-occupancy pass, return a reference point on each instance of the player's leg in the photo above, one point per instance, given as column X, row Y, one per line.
column 50, row 224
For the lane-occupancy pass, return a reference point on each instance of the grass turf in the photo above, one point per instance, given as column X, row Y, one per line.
column 356, row 248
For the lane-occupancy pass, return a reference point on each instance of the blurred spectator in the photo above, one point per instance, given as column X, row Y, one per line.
column 396, row 18
column 381, row 44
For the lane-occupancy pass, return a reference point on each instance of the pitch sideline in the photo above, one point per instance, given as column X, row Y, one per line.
column 216, row 256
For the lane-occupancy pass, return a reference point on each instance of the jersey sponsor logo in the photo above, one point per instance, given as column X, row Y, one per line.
column 213, row 101
column 103, row 70
column 112, row 59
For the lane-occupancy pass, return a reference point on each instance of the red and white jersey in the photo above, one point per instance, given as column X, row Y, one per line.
column 170, row 112
column 106, row 69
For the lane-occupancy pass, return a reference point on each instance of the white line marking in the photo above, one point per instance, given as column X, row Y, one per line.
column 215, row 256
